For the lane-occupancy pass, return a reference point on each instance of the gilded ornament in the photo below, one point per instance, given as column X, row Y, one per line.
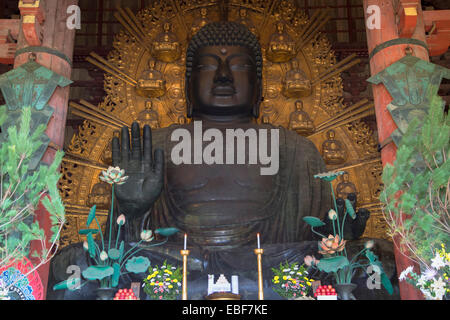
column 166, row 47
column 295, row 83
column 151, row 83
column 333, row 151
column 299, row 120
column 281, row 46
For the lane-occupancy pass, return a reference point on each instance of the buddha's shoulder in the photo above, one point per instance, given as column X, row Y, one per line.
column 292, row 139
column 161, row 135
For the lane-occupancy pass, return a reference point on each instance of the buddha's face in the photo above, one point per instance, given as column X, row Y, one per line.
column 223, row 81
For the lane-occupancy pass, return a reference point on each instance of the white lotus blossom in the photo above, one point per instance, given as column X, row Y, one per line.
column 369, row 244
column 121, row 220
column 332, row 215
column 147, row 235
column 103, row 256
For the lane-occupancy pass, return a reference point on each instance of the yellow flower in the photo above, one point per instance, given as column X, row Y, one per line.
column 285, row 277
column 168, row 271
column 161, row 284
column 301, row 285
column 308, row 283
column 293, row 281
column 170, row 286
column 149, row 277
column 175, row 280
column 276, row 278
column 276, row 281
column 152, row 283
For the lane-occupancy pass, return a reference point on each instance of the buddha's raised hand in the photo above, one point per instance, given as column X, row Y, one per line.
column 145, row 172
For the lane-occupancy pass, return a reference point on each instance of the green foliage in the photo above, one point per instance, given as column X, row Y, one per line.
column 97, row 272
column 137, row 264
column 313, row 221
column 417, row 186
column 21, row 190
column 332, row 264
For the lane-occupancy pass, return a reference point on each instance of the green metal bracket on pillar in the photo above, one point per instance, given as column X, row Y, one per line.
column 410, row 81
column 30, row 85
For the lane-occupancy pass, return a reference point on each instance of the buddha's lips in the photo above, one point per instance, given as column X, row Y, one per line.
column 223, row 91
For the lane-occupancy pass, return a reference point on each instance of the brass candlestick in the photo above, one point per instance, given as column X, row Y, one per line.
column 259, row 253
column 185, row 254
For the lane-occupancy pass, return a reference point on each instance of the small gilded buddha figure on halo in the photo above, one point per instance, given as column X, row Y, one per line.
column 151, row 84
column 100, row 196
column 300, row 121
column 281, row 46
column 295, row 83
column 245, row 20
column 333, row 151
column 200, row 22
column 166, row 46
column 148, row 116
column 345, row 187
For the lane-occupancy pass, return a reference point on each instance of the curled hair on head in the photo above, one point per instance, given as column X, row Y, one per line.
column 224, row 34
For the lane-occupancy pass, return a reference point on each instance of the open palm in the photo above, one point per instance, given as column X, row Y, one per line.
column 145, row 172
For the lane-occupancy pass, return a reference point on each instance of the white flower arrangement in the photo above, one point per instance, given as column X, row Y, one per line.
column 433, row 282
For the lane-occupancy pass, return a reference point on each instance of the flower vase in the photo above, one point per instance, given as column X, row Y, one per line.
column 344, row 291
column 105, row 293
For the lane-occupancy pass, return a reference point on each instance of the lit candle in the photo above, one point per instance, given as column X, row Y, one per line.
column 259, row 244
column 185, row 241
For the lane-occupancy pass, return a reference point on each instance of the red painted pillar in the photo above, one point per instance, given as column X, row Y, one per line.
column 57, row 37
column 379, row 61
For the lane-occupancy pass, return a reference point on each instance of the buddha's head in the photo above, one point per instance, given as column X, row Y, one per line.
column 331, row 134
column 223, row 72
column 299, row 105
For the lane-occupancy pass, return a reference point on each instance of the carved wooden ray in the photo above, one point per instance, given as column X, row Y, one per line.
column 356, row 112
column 88, row 114
column 112, row 70
column 69, row 157
column 177, row 10
column 267, row 12
column 132, row 26
column 330, row 73
column 313, row 28
column 103, row 112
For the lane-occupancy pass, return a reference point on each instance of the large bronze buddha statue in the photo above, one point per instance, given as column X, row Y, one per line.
column 220, row 206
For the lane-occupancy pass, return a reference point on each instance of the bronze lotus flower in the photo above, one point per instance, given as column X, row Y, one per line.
column 114, row 175
column 331, row 245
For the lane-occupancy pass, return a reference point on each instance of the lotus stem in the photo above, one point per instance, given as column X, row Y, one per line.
column 100, row 231
column 335, row 208
column 312, row 229
column 110, row 215
column 117, row 238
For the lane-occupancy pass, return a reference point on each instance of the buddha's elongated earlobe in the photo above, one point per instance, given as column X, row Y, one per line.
column 258, row 100
column 189, row 108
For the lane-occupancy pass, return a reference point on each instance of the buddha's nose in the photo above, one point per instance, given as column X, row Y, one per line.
column 223, row 74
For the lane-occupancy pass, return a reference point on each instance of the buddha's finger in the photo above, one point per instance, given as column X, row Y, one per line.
column 125, row 151
column 115, row 152
column 135, row 142
column 147, row 140
column 159, row 162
